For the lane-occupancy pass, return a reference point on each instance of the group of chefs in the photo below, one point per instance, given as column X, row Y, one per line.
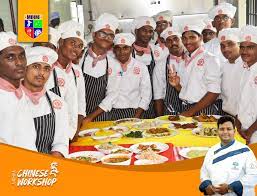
column 194, row 67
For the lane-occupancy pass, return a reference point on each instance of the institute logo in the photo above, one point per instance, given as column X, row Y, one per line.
column 33, row 25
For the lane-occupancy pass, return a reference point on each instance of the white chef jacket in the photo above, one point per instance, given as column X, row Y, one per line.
column 68, row 92
column 130, row 89
column 247, row 105
column 233, row 164
column 165, row 50
column 159, row 76
column 17, row 125
column 213, row 46
column 230, row 85
column 61, row 135
column 201, row 75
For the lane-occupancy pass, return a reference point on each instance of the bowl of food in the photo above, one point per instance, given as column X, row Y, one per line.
column 107, row 148
column 152, row 156
column 159, row 132
column 172, row 118
column 117, row 129
column 146, row 124
column 206, row 118
column 185, row 125
column 116, row 159
column 88, row 156
column 134, row 134
column 127, row 122
column 87, row 132
column 106, row 134
column 122, row 151
column 206, row 132
column 156, row 147
column 193, row 152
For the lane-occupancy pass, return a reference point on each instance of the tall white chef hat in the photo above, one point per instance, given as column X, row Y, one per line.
column 54, row 36
column 54, row 15
column 208, row 25
column 222, row 8
column 248, row 33
column 169, row 32
column 72, row 29
column 143, row 21
column 197, row 27
column 41, row 54
column 106, row 21
column 232, row 34
column 7, row 39
column 124, row 38
column 164, row 15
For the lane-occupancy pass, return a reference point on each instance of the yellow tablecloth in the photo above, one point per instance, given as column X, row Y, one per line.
column 183, row 138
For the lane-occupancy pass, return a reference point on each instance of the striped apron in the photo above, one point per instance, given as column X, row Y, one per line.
column 45, row 128
column 56, row 89
column 219, row 105
column 74, row 74
column 172, row 103
column 148, row 114
column 210, row 110
column 95, row 89
column 116, row 114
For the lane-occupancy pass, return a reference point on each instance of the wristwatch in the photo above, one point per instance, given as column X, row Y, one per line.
column 230, row 190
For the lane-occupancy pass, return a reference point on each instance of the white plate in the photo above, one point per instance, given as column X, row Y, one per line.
column 127, row 120
column 106, row 151
column 216, row 116
column 194, row 132
column 96, row 154
column 109, row 137
column 166, row 119
column 162, row 159
column 103, row 160
column 184, row 151
column 113, row 151
column 115, row 128
column 173, row 132
column 172, row 126
column 161, row 146
column 145, row 162
column 87, row 132
column 146, row 124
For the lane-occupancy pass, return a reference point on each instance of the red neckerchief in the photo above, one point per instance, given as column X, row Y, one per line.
column 33, row 96
column 7, row 86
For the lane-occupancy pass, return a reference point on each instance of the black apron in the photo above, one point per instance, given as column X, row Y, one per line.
column 148, row 114
column 210, row 110
column 56, row 89
column 116, row 114
column 45, row 128
column 95, row 89
column 172, row 103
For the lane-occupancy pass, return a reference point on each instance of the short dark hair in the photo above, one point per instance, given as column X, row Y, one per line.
column 226, row 118
column 199, row 35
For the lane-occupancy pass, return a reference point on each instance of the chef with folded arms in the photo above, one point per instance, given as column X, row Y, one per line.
column 95, row 65
column 163, row 21
column 166, row 96
column 149, row 54
column 200, row 76
column 71, row 45
column 247, row 106
column 209, row 32
column 229, row 167
column 129, row 87
column 49, row 111
column 223, row 17
column 17, row 126
column 231, row 69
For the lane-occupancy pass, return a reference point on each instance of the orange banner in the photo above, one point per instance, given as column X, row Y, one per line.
column 27, row 173
column 32, row 21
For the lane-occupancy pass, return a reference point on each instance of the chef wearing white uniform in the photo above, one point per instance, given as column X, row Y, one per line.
column 129, row 88
column 223, row 17
column 147, row 53
column 229, row 167
column 163, row 21
column 200, row 76
column 209, row 32
column 167, row 97
column 48, row 109
column 247, row 106
column 71, row 45
column 17, row 126
column 58, row 81
column 231, row 69
column 95, row 65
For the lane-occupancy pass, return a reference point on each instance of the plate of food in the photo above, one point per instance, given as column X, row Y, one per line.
column 116, row 159
column 88, row 156
column 87, row 132
column 127, row 121
column 206, row 118
column 134, row 134
column 106, row 134
column 146, row 124
column 118, row 129
column 193, row 152
column 122, row 151
column 156, row 147
column 159, row 132
column 184, row 125
column 206, row 132
column 107, row 148
column 152, row 156
column 172, row 118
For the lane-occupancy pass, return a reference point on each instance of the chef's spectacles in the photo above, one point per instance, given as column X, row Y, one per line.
column 247, row 48
column 105, row 35
column 222, row 17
